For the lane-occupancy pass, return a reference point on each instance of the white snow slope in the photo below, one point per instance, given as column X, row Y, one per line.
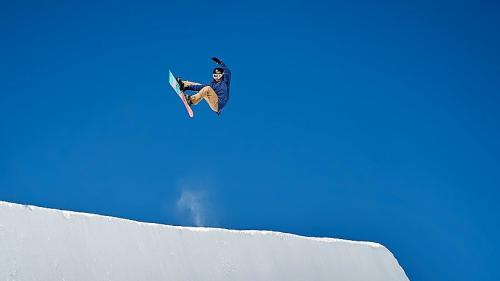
column 45, row 244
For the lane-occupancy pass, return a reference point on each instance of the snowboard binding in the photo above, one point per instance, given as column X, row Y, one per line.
column 181, row 83
column 188, row 99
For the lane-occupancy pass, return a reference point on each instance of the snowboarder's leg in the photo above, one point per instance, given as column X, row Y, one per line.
column 209, row 95
column 189, row 83
column 186, row 83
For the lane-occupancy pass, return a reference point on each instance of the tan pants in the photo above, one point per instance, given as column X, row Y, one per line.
column 206, row 93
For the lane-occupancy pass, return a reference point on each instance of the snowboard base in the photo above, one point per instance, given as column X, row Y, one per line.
column 173, row 82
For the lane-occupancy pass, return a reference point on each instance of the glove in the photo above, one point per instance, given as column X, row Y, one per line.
column 216, row 60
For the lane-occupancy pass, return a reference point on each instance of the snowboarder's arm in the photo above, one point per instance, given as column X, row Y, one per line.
column 227, row 71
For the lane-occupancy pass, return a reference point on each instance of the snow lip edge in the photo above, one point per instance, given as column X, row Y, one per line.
column 67, row 214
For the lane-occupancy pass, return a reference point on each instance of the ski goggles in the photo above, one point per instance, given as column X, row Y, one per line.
column 217, row 75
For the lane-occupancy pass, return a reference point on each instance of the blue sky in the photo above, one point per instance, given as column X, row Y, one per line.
column 360, row 120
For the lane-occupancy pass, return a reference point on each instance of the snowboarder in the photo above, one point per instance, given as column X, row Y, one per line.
column 216, row 94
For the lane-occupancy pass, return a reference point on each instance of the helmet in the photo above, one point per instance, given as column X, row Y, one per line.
column 218, row 70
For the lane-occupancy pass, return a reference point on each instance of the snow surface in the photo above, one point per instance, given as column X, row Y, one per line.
column 45, row 244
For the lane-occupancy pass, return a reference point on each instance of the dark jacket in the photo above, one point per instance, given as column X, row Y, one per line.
column 221, row 88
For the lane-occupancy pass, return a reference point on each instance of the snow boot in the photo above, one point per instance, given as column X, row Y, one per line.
column 181, row 84
column 188, row 99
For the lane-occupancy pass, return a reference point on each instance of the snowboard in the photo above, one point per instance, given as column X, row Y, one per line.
column 173, row 82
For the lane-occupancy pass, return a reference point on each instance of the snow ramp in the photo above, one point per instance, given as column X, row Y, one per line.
column 45, row 244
